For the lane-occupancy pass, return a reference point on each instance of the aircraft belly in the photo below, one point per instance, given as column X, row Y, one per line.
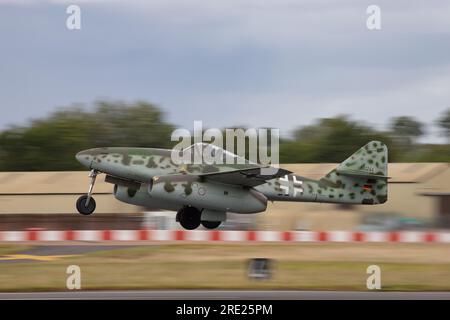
column 209, row 195
column 200, row 195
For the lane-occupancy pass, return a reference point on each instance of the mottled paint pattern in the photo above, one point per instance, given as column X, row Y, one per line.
column 361, row 179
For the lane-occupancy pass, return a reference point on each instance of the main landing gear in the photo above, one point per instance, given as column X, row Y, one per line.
column 86, row 203
column 190, row 219
column 211, row 224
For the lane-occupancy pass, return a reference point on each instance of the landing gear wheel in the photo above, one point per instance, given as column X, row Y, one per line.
column 83, row 208
column 86, row 204
column 211, row 224
column 189, row 218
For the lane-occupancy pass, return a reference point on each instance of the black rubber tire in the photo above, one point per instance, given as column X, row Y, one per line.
column 178, row 215
column 190, row 218
column 81, row 205
column 211, row 224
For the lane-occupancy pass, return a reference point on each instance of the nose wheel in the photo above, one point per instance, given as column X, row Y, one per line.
column 86, row 204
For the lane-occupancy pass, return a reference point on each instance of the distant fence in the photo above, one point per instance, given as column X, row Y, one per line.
column 224, row 236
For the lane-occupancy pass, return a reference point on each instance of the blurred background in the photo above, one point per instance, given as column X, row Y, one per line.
column 41, row 178
column 137, row 70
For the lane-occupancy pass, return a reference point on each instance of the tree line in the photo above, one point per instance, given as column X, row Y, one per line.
column 50, row 143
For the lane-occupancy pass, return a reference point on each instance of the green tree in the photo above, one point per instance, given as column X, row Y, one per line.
column 444, row 123
column 328, row 140
column 51, row 143
column 406, row 129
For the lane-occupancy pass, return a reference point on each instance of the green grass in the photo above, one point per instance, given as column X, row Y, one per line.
column 10, row 249
column 186, row 266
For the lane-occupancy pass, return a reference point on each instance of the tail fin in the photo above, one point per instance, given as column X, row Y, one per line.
column 370, row 161
column 362, row 178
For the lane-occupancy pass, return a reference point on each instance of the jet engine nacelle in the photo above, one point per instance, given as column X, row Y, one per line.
column 202, row 195
column 140, row 197
column 214, row 196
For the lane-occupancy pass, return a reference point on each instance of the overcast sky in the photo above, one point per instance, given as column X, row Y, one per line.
column 277, row 63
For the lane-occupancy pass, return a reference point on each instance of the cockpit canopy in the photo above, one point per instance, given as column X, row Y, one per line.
column 212, row 154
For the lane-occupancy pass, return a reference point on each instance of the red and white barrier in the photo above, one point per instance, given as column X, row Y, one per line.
column 225, row 236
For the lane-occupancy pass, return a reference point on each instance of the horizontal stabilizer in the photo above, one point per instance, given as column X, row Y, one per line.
column 361, row 174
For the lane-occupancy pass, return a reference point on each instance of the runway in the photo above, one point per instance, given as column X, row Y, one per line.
column 225, row 295
column 51, row 253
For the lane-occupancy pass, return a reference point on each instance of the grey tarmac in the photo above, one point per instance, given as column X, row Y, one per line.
column 225, row 295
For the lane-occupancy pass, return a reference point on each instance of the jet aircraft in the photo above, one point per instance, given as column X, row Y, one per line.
column 202, row 194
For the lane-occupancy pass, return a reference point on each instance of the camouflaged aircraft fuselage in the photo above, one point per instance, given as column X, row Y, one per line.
column 148, row 177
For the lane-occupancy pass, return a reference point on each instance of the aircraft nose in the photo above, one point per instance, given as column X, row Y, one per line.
column 85, row 157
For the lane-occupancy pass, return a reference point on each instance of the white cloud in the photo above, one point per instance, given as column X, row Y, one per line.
column 273, row 63
column 424, row 98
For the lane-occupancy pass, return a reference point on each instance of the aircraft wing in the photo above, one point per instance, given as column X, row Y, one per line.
column 249, row 177
column 246, row 177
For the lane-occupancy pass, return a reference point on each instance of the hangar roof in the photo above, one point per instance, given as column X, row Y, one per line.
column 439, row 185
column 70, row 182
column 399, row 172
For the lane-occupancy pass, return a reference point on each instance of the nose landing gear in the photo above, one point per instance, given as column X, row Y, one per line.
column 86, row 203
